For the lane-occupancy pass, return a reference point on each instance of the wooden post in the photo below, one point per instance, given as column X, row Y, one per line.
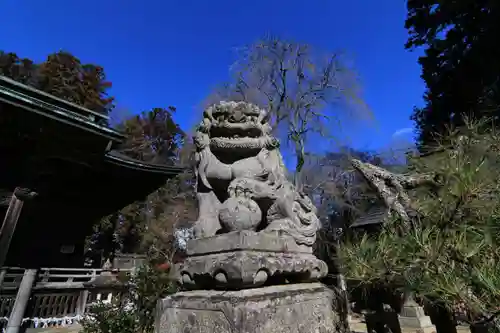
column 22, row 298
column 3, row 272
column 82, row 303
column 9, row 226
column 10, row 220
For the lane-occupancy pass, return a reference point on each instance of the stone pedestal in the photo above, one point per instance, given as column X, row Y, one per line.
column 294, row 308
column 413, row 318
column 246, row 259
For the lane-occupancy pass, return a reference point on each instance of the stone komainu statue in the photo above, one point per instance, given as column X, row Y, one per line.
column 243, row 192
column 241, row 177
column 250, row 267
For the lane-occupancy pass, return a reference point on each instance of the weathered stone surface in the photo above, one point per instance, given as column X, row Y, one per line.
column 239, row 213
column 242, row 183
column 254, row 229
column 246, row 269
column 414, row 317
column 298, row 308
column 245, row 240
column 245, row 259
column 393, row 187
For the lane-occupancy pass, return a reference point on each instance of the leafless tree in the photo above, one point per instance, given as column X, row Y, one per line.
column 306, row 92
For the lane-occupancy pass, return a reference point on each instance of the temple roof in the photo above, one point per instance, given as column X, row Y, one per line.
column 120, row 159
column 33, row 100
column 63, row 150
column 375, row 215
column 69, row 156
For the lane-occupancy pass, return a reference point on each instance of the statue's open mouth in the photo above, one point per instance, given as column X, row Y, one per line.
column 235, row 131
column 247, row 136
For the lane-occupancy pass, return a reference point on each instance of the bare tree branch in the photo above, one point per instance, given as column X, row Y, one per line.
column 301, row 92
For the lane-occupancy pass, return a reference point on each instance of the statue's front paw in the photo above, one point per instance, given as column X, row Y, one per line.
column 250, row 189
column 198, row 232
column 205, row 228
column 239, row 187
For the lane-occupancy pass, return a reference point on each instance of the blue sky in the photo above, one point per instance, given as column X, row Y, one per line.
column 160, row 53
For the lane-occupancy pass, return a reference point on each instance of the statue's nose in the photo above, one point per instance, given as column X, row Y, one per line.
column 237, row 115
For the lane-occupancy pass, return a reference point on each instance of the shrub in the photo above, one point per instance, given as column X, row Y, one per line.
column 136, row 312
column 110, row 318
column 451, row 254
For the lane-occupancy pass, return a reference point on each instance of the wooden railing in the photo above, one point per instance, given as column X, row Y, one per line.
column 58, row 297
column 52, row 278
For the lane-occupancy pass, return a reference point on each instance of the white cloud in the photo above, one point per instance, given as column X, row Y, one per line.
column 402, row 131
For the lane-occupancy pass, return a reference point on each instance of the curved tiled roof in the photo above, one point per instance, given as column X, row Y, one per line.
column 33, row 100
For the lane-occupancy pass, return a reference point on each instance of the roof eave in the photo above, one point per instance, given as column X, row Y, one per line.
column 33, row 100
column 119, row 159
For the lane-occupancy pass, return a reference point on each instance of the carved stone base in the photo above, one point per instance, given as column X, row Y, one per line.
column 245, row 240
column 413, row 318
column 246, row 259
column 298, row 308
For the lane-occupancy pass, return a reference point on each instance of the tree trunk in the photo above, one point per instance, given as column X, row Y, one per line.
column 299, row 152
column 297, row 181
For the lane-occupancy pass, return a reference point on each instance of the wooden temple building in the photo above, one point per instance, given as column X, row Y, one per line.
column 371, row 222
column 60, row 172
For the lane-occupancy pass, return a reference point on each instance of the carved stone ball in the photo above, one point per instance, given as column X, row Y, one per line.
column 238, row 214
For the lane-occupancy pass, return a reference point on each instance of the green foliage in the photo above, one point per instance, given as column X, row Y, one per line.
column 460, row 66
column 146, row 226
column 175, row 206
column 62, row 75
column 342, row 194
column 110, row 318
column 149, row 284
column 451, row 255
column 153, row 136
column 22, row 70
